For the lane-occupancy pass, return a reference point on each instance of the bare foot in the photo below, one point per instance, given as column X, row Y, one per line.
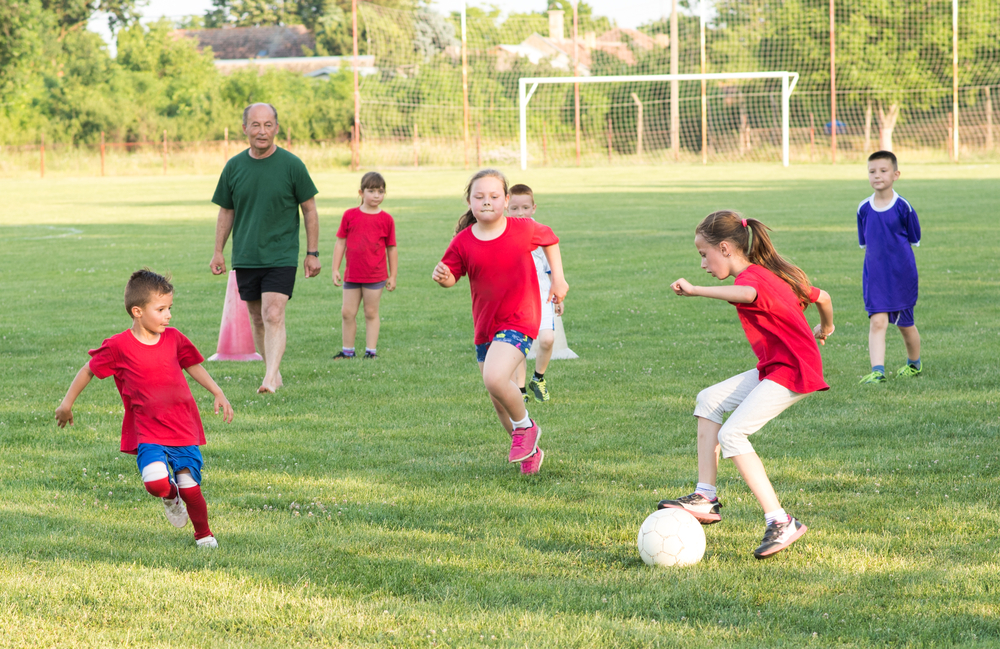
column 265, row 390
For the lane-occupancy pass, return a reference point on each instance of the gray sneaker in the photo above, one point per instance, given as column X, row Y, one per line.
column 176, row 511
column 779, row 536
column 703, row 509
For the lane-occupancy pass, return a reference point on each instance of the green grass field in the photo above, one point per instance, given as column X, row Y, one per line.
column 369, row 504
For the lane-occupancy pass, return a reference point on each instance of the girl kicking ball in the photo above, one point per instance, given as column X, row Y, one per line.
column 494, row 250
column 770, row 295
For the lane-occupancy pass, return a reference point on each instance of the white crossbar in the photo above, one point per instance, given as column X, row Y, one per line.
column 788, row 81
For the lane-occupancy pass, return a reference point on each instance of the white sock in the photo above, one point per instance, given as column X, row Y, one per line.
column 777, row 516
column 706, row 490
column 524, row 423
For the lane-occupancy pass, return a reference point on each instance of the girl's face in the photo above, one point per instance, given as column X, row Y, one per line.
column 716, row 260
column 487, row 199
column 372, row 198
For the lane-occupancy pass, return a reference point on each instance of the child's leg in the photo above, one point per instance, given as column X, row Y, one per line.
column 502, row 360
column 521, row 373
column 877, row 324
column 708, row 451
column 156, row 480
column 371, row 297
column 543, row 353
column 911, row 337
column 197, row 508
column 349, row 315
column 712, row 405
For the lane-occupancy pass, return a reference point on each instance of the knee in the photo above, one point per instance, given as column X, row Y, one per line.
column 274, row 316
column 348, row 313
column 371, row 312
column 708, row 407
column 733, row 443
column 879, row 322
column 546, row 340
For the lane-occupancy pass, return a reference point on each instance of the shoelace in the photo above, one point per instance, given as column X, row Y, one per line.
column 774, row 531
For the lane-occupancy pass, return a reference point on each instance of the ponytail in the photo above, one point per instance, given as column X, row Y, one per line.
column 751, row 238
column 469, row 218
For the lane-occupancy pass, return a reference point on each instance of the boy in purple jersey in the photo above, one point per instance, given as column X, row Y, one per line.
column 888, row 230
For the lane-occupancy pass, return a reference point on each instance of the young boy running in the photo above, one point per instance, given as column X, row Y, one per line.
column 522, row 204
column 888, row 230
column 162, row 426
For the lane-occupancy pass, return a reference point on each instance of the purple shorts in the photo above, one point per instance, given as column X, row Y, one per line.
column 902, row 318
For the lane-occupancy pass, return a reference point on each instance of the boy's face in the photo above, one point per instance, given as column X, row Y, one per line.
column 372, row 198
column 521, row 205
column 155, row 316
column 881, row 175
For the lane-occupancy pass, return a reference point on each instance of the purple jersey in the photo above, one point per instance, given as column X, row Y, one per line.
column 889, row 282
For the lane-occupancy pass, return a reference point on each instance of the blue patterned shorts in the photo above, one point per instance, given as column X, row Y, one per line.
column 509, row 336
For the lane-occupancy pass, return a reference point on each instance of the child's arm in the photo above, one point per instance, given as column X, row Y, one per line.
column 559, row 286
column 64, row 413
column 339, row 249
column 200, row 374
column 735, row 294
column 825, row 327
column 393, row 255
column 442, row 275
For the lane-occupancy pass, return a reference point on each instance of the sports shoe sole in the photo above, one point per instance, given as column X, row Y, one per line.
column 703, row 518
column 795, row 537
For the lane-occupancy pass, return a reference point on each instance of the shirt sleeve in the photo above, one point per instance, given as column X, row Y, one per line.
column 304, row 187
column 748, row 279
column 390, row 237
column 861, row 229
column 543, row 236
column 814, row 295
column 453, row 258
column 912, row 225
column 104, row 360
column 344, row 226
column 187, row 353
column 223, row 192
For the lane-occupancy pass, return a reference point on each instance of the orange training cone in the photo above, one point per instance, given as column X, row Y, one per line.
column 236, row 332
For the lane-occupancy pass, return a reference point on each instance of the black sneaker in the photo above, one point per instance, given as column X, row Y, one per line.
column 339, row 356
column 369, row 355
column 779, row 536
column 703, row 509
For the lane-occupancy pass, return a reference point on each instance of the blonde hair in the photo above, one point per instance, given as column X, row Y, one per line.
column 750, row 237
column 469, row 218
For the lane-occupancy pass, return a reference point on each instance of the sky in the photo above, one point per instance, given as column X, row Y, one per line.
column 626, row 13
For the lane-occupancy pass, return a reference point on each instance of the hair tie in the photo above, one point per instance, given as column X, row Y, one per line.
column 744, row 223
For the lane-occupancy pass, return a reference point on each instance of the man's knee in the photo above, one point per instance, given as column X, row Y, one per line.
column 274, row 315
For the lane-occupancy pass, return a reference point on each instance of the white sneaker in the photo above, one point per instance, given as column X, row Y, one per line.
column 207, row 542
column 176, row 511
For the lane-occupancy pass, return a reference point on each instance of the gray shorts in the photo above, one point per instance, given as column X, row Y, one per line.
column 374, row 286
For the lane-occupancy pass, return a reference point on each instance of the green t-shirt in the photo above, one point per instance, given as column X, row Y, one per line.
column 265, row 195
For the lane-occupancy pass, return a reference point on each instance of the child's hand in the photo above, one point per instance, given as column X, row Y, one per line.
column 64, row 415
column 390, row 284
column 337, row 279
column 227, row 410
column 683, row 287
column 558, row 291
column 442, row 274
column 821, row 336
column 558, row 308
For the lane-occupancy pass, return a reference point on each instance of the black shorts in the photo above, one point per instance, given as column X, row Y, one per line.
column 254, row 281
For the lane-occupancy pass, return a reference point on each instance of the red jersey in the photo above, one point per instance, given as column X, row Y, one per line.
column 159, row 408
column 368, row 235
column 502, row 276
column 779, row 334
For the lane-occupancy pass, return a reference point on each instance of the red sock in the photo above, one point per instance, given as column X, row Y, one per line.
column 197, row 510
column 162, row 488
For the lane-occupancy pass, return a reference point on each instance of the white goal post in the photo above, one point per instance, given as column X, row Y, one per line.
column 788, row 81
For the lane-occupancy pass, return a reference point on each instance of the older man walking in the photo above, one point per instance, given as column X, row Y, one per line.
column 259, row 195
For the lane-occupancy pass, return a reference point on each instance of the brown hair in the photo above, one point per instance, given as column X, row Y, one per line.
column 522, row 190
column 885, row 155
column 372, row 180
column 142, row 286
column 468, row 218
column 755, row 244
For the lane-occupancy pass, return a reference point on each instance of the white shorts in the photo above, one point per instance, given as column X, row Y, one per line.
column 753, row 403
column 548, row 316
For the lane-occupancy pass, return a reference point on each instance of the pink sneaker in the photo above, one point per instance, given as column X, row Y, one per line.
column 533, row 463
column 524, row 442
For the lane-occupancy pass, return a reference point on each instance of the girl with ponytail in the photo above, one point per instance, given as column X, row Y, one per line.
column 494, row 250
column 770, row 295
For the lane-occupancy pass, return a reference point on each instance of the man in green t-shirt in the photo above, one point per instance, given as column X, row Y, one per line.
column 259, row 195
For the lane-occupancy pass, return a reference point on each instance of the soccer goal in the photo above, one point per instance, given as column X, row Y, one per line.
column 528, row 85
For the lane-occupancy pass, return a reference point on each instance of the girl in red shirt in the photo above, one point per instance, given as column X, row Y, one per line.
column 770, row 295
column 494, row 250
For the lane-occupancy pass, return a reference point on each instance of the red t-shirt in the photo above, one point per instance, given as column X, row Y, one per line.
column 367, row 236
column 779, row 334
column 159, row 408
column 502, row 276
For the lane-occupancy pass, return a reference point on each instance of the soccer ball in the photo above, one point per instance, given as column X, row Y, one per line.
column 671, row 537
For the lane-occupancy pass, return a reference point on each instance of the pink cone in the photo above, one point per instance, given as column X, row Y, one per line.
column 236, row 332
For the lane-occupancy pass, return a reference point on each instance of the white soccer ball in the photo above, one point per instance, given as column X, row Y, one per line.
column 671, row 537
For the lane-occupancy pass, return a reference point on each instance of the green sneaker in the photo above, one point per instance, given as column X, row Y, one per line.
column 874, row 377
column 538, row 387
column 908, row 370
